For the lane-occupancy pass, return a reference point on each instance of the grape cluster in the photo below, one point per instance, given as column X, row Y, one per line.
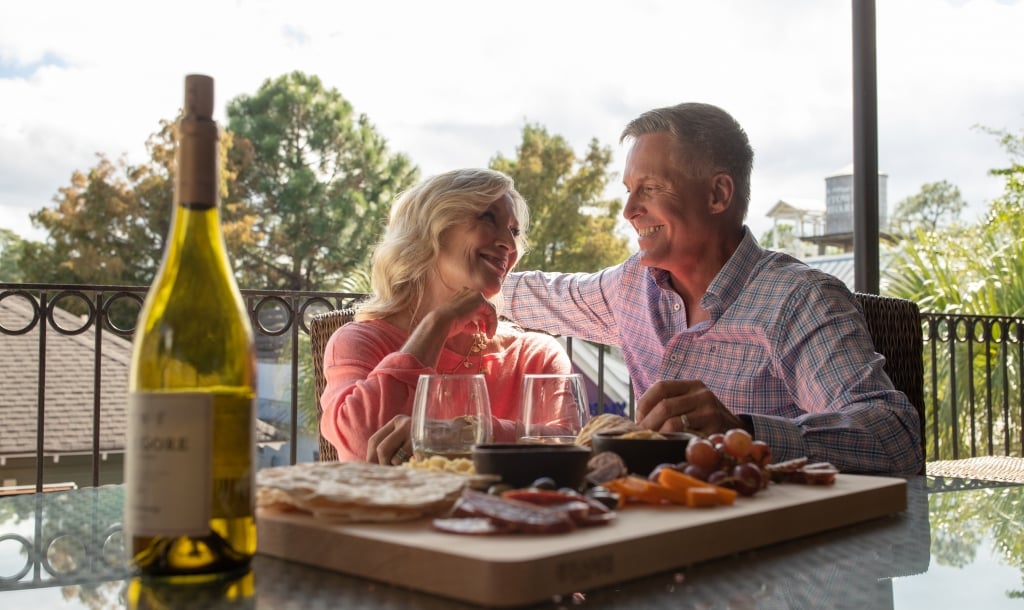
column 732, row 459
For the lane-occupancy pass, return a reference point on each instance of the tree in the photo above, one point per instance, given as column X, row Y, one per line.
column 98, row 231
column 779, row 237
column 572, row 228
column 938, row 204
column 320, row 183
column 109, row 225
column 975, row 270
column 11, row 246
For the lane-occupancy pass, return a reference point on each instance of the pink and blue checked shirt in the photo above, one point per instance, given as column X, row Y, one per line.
column 785, row 344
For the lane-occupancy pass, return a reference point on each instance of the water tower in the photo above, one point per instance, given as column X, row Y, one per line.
column 839, row 209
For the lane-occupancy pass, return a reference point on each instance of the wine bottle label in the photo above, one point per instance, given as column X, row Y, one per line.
column 169, row 465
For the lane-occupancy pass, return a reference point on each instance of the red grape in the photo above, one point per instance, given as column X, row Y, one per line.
column 697, row 472
column 721, row 478
column 701, row 452
column 760, row 453
column 737, row 443
column 747, row 478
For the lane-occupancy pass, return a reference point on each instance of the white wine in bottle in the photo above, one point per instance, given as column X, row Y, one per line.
column 190, row 457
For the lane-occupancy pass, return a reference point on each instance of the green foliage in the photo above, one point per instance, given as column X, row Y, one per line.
column 778, row 237
column 11, row 246
column 109, row 225
column 571, row 227
column 976, row 270
column 98, row 232
column 320, row 183
column 938, row 204
column 963, row 523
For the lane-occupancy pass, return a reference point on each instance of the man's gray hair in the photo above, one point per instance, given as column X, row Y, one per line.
column 711, row 141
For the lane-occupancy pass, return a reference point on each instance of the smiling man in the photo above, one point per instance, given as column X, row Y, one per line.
column 716, row 331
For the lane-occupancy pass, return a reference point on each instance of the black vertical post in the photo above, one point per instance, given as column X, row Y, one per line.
column 865, row 149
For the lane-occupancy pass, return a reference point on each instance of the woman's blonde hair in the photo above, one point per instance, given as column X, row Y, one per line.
column 405, row 256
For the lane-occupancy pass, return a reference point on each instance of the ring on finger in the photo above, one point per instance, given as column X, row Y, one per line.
column 402, row 454
column 683, row 419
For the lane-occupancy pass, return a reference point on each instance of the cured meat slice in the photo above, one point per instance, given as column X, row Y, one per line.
column 512, row 515
column 582, row 510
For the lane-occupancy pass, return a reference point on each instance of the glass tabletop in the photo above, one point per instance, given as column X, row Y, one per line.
column 958, row 542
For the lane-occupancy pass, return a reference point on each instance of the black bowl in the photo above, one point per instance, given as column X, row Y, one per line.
column 642, row 455
column 520, row 464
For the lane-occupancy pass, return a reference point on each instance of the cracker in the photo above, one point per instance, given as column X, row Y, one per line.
column 605, row 422
column 357, row 491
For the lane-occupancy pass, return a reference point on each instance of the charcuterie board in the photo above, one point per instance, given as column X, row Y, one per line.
column 515, row 570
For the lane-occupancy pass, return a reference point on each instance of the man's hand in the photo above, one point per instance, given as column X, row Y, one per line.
column 680, row 405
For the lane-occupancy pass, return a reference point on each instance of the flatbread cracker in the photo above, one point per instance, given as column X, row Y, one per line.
column 357, row 491
column 605, row 422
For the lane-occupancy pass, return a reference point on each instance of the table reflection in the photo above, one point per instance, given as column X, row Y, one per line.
column 65, row 549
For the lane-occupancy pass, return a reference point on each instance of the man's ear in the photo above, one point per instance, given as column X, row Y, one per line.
column 722, row 189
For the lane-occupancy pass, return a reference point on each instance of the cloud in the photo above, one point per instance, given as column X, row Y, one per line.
column 452, row 82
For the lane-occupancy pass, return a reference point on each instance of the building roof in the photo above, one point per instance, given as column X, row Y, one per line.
column 790, row 208
column 841, row 265
column 70, row 365
column 70, row 368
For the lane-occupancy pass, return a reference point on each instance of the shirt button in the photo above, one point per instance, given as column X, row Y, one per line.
column 672, row 357
column 676, row 307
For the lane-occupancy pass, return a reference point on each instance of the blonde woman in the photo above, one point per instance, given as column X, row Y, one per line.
column 437, row 276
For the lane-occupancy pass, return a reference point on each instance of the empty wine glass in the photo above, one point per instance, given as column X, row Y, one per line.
column 554, row 408
column 450, row 414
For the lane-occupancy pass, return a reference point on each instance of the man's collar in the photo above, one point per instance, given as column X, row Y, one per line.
column 733, row 276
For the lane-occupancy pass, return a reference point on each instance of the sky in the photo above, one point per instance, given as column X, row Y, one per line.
column 451, row 83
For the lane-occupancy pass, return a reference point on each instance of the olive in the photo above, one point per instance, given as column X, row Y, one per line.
column 545, row 483
column 498, row 488
column 605, row 496
column 653, row 476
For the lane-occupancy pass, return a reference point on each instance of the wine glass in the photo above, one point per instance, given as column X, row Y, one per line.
column 554, row 408
column 450, row 414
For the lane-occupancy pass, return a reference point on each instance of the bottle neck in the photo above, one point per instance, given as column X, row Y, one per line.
column 198, row 164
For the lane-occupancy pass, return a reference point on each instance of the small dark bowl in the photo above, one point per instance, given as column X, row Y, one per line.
column 642, row 455
column 520, row 464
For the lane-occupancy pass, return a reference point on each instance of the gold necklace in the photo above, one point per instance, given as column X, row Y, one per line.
column 479, row 344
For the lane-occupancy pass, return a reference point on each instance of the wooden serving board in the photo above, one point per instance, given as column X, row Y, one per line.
column 514, row 570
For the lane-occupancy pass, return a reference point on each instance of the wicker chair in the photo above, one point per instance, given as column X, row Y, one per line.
column 321, row 327
column 895, row 328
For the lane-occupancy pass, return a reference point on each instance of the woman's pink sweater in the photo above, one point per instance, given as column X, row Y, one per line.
column 369, row 381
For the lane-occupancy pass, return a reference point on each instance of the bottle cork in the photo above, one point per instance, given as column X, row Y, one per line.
column 199, row 96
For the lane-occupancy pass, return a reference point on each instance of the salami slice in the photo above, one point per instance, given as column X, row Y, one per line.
column 582, row 510
column 512, row 515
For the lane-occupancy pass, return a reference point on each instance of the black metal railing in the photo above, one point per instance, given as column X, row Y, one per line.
column 973, row 378
column 974, row 386
column 104, row 316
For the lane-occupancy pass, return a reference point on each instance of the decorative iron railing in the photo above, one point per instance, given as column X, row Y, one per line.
column 973, row 378
column 974, row 386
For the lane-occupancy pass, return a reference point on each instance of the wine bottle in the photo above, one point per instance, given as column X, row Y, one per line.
column 190, row 456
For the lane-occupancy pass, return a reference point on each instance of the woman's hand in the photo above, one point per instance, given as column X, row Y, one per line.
column 467, row 312
column 392, row 443
column 470, row 312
